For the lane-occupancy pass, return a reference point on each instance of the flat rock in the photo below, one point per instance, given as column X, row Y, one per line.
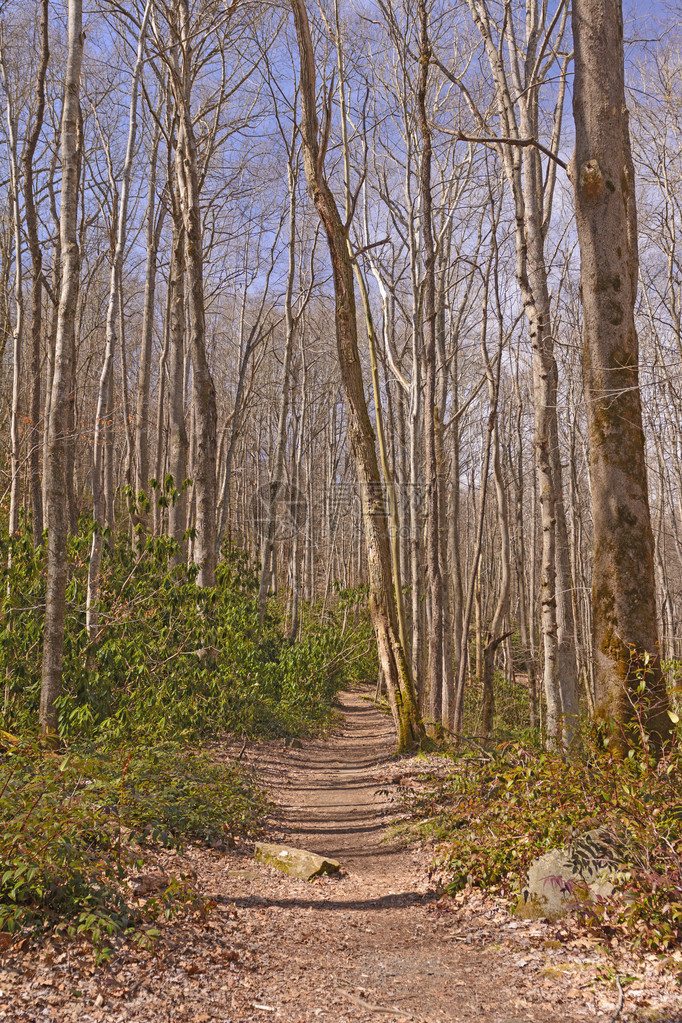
column 297, row 862
column 563, row 879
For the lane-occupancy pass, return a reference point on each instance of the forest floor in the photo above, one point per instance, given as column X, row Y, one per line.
column 372, row 943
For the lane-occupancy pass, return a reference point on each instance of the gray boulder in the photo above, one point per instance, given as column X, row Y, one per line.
column 297, row 862
column 563, row 879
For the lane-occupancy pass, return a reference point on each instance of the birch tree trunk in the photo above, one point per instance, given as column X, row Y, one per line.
column 58, row 439
column 623, row 595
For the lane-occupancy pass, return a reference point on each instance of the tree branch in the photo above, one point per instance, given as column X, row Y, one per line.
column 522, row 143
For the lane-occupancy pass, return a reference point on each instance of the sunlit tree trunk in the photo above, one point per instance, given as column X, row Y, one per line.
column 277, row 471
column 433, row 568
column 18, row 332
column 55, row 469
column 35, row 412
column 102, row 449
column 382, row 598
column 623, row 595
column 203, row 390
column 154, row 219
column 177, row 441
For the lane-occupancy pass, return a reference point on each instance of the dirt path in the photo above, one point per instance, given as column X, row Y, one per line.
column 328, row 793
column 372, row 944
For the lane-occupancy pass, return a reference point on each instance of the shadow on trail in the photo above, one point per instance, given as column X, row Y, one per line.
column 402, row 900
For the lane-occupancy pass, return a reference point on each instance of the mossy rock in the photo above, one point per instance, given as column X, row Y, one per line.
column 563, row 879
column 296, row 862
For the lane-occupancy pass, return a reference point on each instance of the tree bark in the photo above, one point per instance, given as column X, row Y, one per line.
column 35, row 436
column 203, row 390
column 56, row 467
column 532, row 193
column 103, row 443
column 382, row 599
column 276, row 481
column 153, row 226
column 623, row 595
column 433, row 568
column 18, row 332
column 178, row 443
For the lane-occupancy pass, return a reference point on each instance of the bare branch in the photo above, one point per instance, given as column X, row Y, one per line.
column 522, row 143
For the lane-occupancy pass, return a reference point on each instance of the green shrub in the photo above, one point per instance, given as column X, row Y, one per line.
column 172, row 660
column 503, row 806
column 172, row 665
column 74, row 827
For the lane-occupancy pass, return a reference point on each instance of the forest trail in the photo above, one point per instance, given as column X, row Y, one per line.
column 371, row 944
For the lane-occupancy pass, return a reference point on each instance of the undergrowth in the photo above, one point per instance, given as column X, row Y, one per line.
column 504, row 804
column 172, row 660
column 172, row 667
column 76, row 828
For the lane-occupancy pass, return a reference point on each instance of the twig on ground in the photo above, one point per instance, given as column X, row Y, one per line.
column 369, row 1007
column 138, row 984
column 621, row 1001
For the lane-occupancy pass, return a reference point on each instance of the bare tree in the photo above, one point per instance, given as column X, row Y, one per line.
column 58, row 435
column 382, row 599
column 35, row 436
column 102, row 483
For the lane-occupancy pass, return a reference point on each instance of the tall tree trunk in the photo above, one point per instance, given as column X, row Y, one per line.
column 299, row 506
column 103, row 443
column 623, row 595
column 495, row 633
column 532, row 192
column 435, row 661
column 203, row 390
column 18, row 332
column 526, row 617
column 153, row 226
column 473, row 593
column 382, row 598
column 35, row 436
column 178, row 443
column 393, row 512
column 448, row 689
column 454, row 550
column 162, row 417
column 55, row 469
column 51, row 341
column 276, row 481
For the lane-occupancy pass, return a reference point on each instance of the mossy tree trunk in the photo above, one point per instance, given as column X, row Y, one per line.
column 381, row 596
column 624, row 596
